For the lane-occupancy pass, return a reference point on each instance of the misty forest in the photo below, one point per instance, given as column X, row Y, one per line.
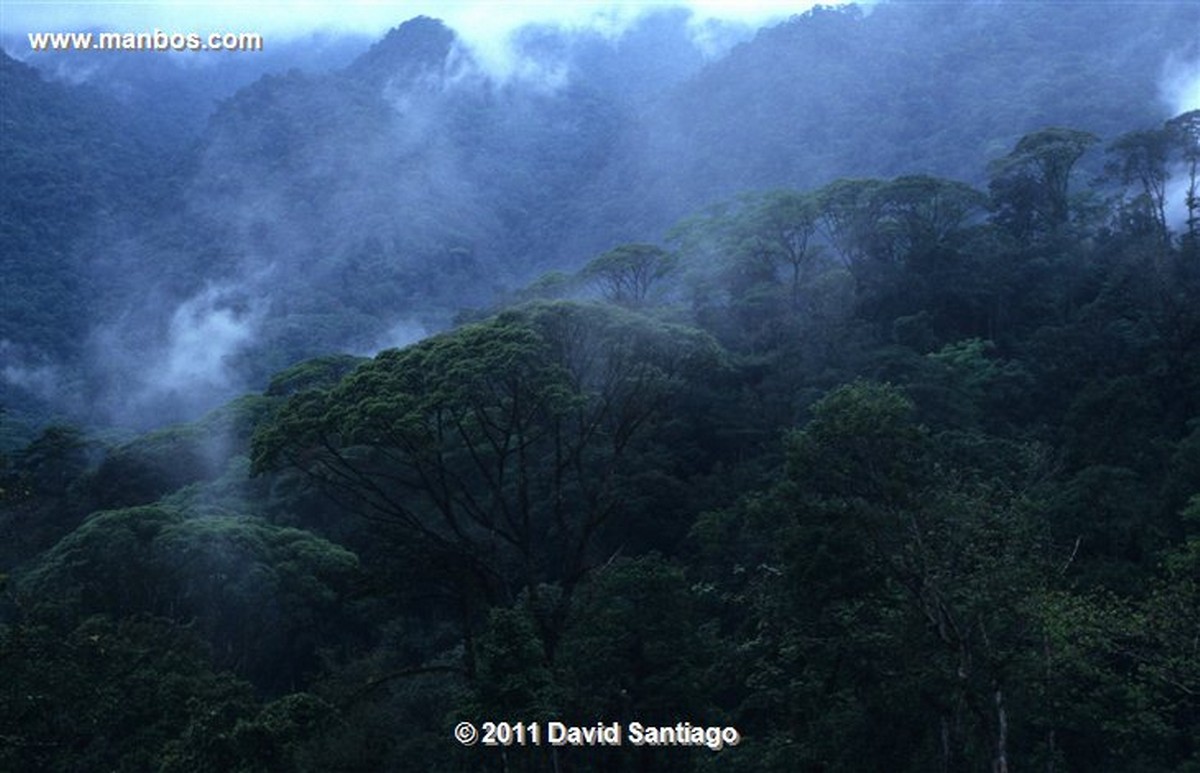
column 836, row 381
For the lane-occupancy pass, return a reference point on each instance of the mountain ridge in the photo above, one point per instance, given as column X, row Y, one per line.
column 390, row 193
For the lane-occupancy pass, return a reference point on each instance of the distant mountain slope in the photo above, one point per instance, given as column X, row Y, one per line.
column 362, row 207
column 70, row 160
column 172, row 94
column 938, row 88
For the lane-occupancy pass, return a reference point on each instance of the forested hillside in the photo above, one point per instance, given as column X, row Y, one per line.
column 881, row 450
column 359, row 206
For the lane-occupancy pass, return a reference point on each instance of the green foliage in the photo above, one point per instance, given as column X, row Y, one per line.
column 279, row 737
column 967, row 386
column 882, row 582
column 511, row 672
column 861, row 442
column 265, row 598
column 54, row 460
column 70, row 161
column 938, row 489
column 317, row 373
column 142, row 470
column 501, row 448
column 108, row 695
column 635, row 646
column 1030, row 186
column 1140, row 158
column 778, row 261
column 626, row 274
column 41, row 492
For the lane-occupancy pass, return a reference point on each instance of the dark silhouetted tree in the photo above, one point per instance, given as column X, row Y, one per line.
column 1140, row 158
column 1031, row 185
column 625, row 274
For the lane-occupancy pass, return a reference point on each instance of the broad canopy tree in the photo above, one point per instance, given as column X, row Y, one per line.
column 626, row 274
column 501, row 450
column 1031, row 185
column 883, row 583
column 755, row 241
column 264, row 597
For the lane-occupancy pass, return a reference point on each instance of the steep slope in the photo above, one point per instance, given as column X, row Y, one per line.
column 395, row 191
column 172, row 95
column 939, row 88
column 363, row 207
column 71, row 161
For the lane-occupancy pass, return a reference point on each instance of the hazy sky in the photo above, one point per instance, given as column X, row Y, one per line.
column 483, row 24
column 300, row 16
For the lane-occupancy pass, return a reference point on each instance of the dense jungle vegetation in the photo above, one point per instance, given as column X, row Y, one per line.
column 893, row 471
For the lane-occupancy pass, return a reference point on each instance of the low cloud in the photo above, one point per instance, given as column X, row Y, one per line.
column 488, row 29
column 1181, row 85
column 402, row 333
column 186, row 366
column 24, row 371
column 205, row 332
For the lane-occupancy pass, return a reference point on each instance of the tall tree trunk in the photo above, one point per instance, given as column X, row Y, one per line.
column 1051, row 736
column 1000, row 764
column 945, row 723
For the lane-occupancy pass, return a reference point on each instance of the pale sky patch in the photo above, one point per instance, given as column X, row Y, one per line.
column 1180, row 86
column 298, row 17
